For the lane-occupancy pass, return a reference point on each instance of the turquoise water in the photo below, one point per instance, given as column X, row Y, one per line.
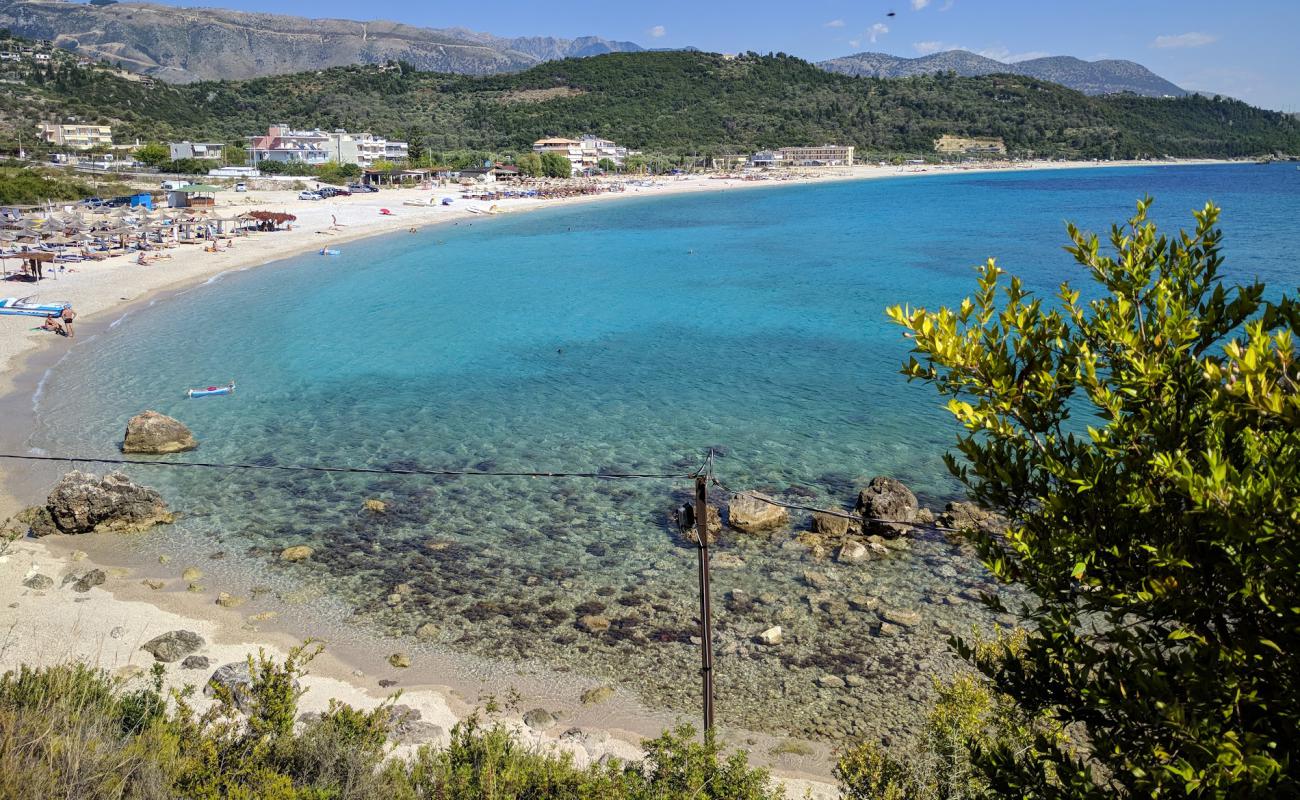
column 627, row 336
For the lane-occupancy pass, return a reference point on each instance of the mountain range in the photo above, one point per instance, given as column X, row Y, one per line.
column 182, row 45
column 1109, row 76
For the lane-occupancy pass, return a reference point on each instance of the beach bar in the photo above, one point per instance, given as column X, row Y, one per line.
column 195, row 195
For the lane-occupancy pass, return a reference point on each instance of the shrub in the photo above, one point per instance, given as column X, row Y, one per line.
column 1144, row 443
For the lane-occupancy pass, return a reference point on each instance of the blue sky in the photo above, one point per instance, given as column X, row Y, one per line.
column 1248, row 49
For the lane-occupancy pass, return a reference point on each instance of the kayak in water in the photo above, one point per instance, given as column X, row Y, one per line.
column 212, row 390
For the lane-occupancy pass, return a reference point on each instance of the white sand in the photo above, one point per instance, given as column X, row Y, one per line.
column 106, row 626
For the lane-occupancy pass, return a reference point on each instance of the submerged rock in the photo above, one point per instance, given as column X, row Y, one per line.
column 155, row 434
column 375, row 506
column 832, row 524
column 750, row 512
column 772, row 636
column 968, row 516
column 593, row 623
column 173, row 645
column 853, row 553
column 597, row 695
column 297, row 552
column 400, row 660
column 886, row 499
column 229, row 600
column 82, row 502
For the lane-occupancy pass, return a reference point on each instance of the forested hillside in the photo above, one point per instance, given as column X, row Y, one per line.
column 668, row 102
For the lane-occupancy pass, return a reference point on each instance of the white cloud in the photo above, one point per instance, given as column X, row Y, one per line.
column 926, row 48
column 657, row 31
column 917, row 5
column 876, row 31
column 835, row 23
column 1184, row 40
column 1003, row 54
column 855, row 42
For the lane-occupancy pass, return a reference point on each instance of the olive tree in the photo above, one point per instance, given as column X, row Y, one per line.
column 1142, row 439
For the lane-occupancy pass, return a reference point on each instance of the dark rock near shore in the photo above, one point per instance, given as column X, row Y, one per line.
column 968, row 516
column 196, row 662
column 39, row 582
column 91, row 579
column 157, row 434
column 832, row 525
column 82, row 502
column 173, row 645
column 886, row 499
column 686, row 520
column 539, row 719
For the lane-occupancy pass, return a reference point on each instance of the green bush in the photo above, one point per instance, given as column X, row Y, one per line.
column 1143, row 440
column 73, row 732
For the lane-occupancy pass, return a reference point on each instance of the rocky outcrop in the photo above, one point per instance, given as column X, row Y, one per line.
column 751, row 513
column 968, row 516
column 296, row 553
column 235, row 680
column 173, row 645
column 82, row 502
column 157, row 434
column 887, row 499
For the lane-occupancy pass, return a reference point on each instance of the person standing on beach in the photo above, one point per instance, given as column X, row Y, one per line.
column 68, row 316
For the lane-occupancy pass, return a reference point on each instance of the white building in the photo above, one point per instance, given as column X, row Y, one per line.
column 827, row 155
column 585, row 153
column 197, row 151
column 316, row 147
column 77, row 137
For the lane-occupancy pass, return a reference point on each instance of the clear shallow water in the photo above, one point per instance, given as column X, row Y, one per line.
column 625, row 336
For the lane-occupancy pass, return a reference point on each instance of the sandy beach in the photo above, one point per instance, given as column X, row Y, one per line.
column 106, row 625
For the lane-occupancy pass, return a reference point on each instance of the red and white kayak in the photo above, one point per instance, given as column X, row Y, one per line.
column 211, row 391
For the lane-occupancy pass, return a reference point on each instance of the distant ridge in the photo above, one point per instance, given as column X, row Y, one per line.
column 1090, row 77
column 181, row 45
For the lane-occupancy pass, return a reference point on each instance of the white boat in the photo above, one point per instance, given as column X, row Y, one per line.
column 23, row 306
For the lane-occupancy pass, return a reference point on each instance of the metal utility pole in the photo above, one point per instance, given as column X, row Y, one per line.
column 706, row 613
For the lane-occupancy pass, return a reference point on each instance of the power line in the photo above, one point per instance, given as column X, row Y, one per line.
column 355, row 470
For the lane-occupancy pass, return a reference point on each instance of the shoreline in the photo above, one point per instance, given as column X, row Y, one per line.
column 68, row 627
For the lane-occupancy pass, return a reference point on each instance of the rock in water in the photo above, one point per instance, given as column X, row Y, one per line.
column 173, row 645
column 853, row 553
column 296, row 553
column 156, row 434
column 597, row 695
column 83, row 503
column 886, row 499
column 690, row 529
column 376, row 506
column 772, row 636
column 751, row 513
column 968, row 516
column 400, row 660
column 832, row 524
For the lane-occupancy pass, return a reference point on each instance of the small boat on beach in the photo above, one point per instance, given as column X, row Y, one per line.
column 330, row 251
column 211, row 391
column 24, row 307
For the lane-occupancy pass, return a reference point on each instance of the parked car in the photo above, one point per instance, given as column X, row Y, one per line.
column 173, row 185
column 241, row 187
column 342, row 192
column 308, row 195
column 93, row 202
column 362, row 188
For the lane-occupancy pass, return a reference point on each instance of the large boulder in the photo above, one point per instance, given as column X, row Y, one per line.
column 236, row 679
column 886, row 499
column 173, row 645
column 156, row 434
column 82, row 502
column 751, row 512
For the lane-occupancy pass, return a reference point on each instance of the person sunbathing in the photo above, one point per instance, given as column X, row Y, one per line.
column 51, row 324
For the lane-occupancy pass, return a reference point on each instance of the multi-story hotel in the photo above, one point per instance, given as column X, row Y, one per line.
column 77, row 137
column 316, row 147
column 585, row 153
column 827, row 155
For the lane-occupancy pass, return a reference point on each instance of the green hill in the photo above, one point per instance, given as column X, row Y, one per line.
column 668, row 102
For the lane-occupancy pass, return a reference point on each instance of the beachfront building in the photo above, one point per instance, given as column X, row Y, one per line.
column 196, row 151
column 765, row 158
column 585, row 153
column 827, row 155
column 316, row 147
column 77, row 136
column 986, row 145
